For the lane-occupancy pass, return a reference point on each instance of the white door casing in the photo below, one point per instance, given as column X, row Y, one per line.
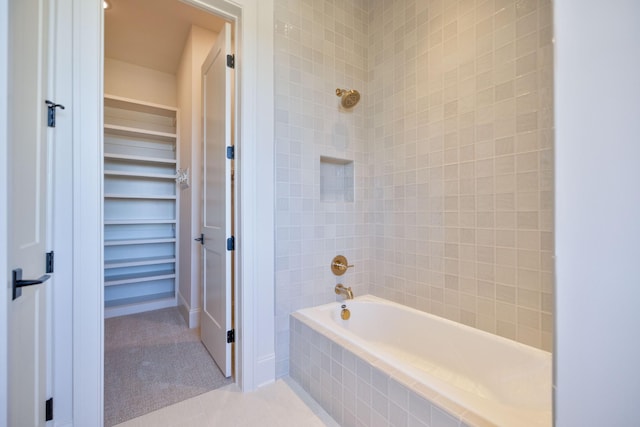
column 217, row 202
column 29, row 178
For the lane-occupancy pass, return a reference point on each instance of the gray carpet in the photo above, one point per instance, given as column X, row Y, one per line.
column 152, row 360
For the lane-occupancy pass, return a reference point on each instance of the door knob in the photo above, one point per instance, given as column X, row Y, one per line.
column 17, row 283
column 200, row 239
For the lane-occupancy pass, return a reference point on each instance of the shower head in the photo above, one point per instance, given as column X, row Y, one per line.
column 349, row 97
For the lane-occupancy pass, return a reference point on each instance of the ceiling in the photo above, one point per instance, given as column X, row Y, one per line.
column 152, row 33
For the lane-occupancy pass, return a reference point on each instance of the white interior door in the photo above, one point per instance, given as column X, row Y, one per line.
column 217, row 81
column 27, row 210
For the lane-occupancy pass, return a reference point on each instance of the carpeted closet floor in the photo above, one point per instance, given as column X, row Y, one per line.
column 152, row 360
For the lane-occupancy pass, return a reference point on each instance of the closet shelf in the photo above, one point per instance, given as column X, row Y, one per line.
column 139, row 132
column 123, row 279
column 123, row 103
column 139, row 196
column 134, row 158
column 138, row 241
column 138, row 221
column 121, row 303
column 140, row 174
column 137, row 262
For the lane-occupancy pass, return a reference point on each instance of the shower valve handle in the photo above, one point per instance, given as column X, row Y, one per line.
column 339, row 265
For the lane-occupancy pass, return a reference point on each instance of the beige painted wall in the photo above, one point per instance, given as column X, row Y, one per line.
column 133, row 81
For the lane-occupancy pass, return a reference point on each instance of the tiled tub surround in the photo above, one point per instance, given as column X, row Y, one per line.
column 393, row 365
column 452, row 144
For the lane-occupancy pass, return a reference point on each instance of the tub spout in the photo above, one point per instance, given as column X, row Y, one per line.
column 342, row 290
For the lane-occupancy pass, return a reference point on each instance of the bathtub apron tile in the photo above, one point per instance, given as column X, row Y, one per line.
column 363, row 390
column 420, row 408
column 378, row 420
column 336, row 409
column 415, row 422
column 325, row 345
column 316, row 358
column 325, row 398
column 398, row 417
column 325, row 363
column 363, row 412
column 349, row 360
column 315, row 389
column 306, row 384
column 336, row 389
column 316, row 372
column 380, row 381
column 306, row 348
column 440, row 418
column 349, row 381
column 336, row 370
column 348, row 418
column 399, row 394
column 380, row 404
column 363, row 370
column 336, row 351
column 326, row 389
column 349, row 401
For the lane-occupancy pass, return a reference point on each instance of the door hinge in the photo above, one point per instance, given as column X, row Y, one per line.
column 231, row 243
column 231, row 152
column 49, row 262
column 48, row 416
column 51, row 112
column 231, row 61
column 231, row 336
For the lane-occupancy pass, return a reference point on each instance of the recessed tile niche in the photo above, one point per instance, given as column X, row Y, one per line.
column 336, row 179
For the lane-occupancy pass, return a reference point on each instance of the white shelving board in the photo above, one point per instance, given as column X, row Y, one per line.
column 140, row 206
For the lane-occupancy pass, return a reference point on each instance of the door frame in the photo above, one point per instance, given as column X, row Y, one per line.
column 79, row 77
column 255, row 264
column 255, row 351
column 4, row 273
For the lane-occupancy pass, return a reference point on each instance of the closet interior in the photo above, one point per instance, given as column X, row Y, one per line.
column 152, row 186
column 153, row 55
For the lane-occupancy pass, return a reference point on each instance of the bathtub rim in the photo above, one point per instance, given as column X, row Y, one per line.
column 372, row 298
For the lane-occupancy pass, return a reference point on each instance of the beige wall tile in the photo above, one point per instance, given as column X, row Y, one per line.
column 453, row 149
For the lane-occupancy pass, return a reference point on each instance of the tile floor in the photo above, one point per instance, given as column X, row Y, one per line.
column 281, row 404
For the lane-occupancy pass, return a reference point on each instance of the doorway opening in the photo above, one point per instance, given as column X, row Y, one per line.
column 168, row 285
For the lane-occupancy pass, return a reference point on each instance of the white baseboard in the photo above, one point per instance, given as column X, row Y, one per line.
column 190, row 315
column 265, row 370
column 194, row 318
column 127, row 309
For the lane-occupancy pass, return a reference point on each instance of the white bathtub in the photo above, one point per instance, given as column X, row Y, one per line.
column 486, row 376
